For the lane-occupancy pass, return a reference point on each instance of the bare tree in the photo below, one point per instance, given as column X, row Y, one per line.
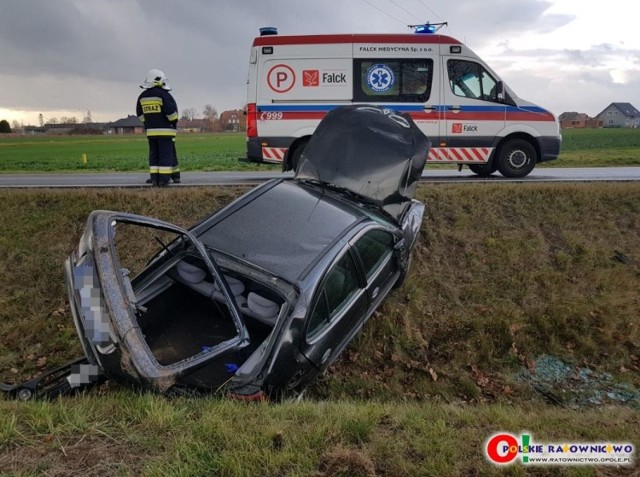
column 15, row 125
column 211, row 115
column 68, row 120
column 189, row 114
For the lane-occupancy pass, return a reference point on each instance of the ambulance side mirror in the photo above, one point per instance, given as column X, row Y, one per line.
column 500, row 91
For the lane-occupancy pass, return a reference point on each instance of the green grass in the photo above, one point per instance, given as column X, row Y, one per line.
column 201, row 152
column 501, row 275
column 122, row 433
column 599, row 148
column 220, row 152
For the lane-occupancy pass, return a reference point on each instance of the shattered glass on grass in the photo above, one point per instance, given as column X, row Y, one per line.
column 564, row 384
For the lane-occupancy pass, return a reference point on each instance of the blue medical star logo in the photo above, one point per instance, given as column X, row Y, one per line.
column 379, row 78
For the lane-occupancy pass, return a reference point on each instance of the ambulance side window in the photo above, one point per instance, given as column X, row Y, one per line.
column 392, row 80
column 471, row 80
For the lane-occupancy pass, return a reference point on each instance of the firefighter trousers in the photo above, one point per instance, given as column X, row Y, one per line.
column 162, row 160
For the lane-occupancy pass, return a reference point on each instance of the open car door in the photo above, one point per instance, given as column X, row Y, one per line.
column 147, row 316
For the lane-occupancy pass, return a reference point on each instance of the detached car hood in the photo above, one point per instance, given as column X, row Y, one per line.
column 375, row 153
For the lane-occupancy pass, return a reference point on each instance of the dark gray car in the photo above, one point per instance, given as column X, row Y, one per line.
column 263, row 295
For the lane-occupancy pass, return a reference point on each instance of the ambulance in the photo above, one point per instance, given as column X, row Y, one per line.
column 470, row 115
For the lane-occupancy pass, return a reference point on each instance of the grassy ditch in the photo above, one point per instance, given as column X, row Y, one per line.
column 505, row 280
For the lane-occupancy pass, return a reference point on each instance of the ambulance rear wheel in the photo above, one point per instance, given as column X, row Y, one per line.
column 297, row 152
column 516, row 158
column 483, row 170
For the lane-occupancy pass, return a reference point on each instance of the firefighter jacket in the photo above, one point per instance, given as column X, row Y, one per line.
column 157, row 109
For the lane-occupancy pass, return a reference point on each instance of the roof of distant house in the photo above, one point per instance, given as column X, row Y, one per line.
column 128, row 122
column 625, row 108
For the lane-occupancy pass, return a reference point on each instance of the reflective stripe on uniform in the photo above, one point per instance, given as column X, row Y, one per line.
column 151, row 105
column 161, row 132
column 141, row 118
column 165, row 170
column 173, row 117
column 154, row 169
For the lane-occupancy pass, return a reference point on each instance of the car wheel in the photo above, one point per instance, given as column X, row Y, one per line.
column 516, row 158
column 297, row 152
column 483, row 170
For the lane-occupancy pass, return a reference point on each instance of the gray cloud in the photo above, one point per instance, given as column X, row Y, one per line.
column 90, row 54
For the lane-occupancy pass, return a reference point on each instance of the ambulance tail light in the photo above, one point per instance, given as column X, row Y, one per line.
column 252, row 120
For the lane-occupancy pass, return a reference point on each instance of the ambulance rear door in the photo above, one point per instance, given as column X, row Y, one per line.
column 473, row 114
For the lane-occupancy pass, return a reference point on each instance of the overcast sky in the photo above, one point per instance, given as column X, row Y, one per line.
column 64, row 57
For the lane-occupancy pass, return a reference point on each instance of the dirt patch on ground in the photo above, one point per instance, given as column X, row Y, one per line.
column 345, row 462
column 90, row 456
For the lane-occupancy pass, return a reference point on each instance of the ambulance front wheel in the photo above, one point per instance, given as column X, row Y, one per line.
column 483, row 170
column 516, row 158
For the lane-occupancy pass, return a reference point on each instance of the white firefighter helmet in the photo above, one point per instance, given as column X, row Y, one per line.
column 155, row 78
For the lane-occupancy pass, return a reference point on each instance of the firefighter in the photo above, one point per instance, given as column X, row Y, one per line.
column 157, row 109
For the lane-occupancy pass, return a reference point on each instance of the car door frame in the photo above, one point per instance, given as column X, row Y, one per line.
column 118, row 296
column 323, row 340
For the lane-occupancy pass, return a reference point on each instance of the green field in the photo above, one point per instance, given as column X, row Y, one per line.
column 220, row 152
column 509, row 285
column 196, row 152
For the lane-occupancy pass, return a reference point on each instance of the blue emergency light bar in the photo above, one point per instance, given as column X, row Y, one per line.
column 427, row 28
column 268, row 31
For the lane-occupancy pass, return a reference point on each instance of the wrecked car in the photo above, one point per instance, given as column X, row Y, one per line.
column 261, row 297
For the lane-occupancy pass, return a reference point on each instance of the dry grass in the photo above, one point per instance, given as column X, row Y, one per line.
column 501, row 275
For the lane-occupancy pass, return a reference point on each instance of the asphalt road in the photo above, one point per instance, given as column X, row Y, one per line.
column 132, row 179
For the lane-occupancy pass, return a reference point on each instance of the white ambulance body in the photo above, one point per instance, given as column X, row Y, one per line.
column 471, row 117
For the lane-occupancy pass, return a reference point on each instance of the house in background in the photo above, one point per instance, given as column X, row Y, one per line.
column 578, row 120
column 233, row 120
column 129, row 125
column 195, row 125
column 620, row 115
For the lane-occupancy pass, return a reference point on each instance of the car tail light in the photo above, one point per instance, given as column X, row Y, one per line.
column 252, row 120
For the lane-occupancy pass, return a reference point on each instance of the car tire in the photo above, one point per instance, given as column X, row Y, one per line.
column 483, row 170
column 516, row 158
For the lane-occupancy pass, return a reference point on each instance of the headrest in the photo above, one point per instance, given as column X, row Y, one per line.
column 190, row 273
column 262, row 306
